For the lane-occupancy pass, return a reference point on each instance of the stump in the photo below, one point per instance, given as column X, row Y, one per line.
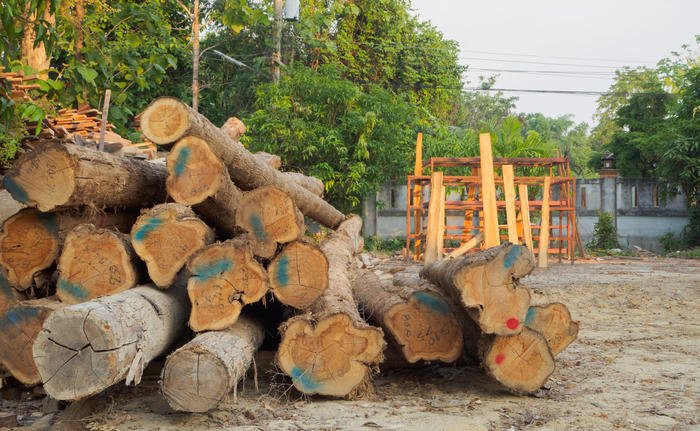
column 223, row 278
column 165, row 237
column 269, row 216
column 298, row 274
column 417, row 317
column 486, row 284
column 19, row 327
column 31, row 240
column 94, row 263
column 331, row 350
column 197, row 177
column 56, row 175
column 554, row 322
column 199, row 375
column 85, row 348
column 166, row 120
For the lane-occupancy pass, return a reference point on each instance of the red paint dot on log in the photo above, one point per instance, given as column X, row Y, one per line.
column 500, row 357
column 512, row 323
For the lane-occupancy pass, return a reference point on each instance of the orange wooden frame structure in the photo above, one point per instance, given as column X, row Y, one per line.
column 468, row 185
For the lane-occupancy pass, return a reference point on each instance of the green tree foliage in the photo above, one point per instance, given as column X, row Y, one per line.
column 20, row 16
column 604, row 233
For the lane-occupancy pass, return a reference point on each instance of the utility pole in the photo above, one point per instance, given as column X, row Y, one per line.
column 195, row 56
column 277, row 41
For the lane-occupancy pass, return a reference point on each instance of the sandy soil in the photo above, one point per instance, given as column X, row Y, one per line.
column 634, row 366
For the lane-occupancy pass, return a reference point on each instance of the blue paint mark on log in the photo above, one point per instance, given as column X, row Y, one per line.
column 308, row 383
column 15, row 190
column 151, row 225
column 50, row 223
column 73, row 289
column 433, row 302
column 282, row 272
column 15, row 316
column 211, row 270
column 258, row 228
column 181, row 161
column 512, row 256
column 530, row 316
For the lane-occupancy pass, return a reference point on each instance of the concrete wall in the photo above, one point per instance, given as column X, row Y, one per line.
column 642, row 214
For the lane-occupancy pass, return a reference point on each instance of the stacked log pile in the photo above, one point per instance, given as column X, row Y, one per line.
column 118, row 261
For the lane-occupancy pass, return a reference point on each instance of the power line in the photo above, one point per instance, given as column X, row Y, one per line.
column 540, row 62
column 525, row 90
column 558, row 57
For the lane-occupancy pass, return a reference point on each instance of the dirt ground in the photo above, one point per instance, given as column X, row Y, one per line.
column 634, row 366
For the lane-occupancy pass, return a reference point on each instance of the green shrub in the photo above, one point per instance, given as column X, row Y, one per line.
column 389, row 245
column 604, row 233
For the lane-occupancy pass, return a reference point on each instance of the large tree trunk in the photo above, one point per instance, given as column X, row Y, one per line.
column 83, row 349
column 199, row 376
column 165, row 237
column 31, row 240
column 19, row 327
column 95, row 262
column 418, row 318
column 197, row 177
column 485, row 283
column 58, row 175
column 554, row 322
column 298, row 274
column 223, row 278
column 166, row 120
column 270, row 218
column 331, row 350
column 33, row 54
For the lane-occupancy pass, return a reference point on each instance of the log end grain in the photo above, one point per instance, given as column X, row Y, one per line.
column 194, row 172
column 165, row 120
column 8, row 295
column 333, row 357
column 298, row 274
column 555, row 323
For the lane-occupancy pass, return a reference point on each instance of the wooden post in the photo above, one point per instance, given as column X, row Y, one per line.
column 488, row 185
column 509, row 191
column 417, row 170
column 544, row 225
column 525, row 213
column 103, row 123
column 434, row 235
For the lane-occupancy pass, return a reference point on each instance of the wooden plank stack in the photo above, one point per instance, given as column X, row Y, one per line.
column 136, row 267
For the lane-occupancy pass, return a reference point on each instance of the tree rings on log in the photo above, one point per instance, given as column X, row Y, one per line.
column 58, row 175
column 94, row 263
column 223, row 278
column 165, row 237
column 298, row 274
column 270, row 217
column 554, row 322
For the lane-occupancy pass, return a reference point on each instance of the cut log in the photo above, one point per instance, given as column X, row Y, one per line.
column 522, row 363
column 272, row 160
column 95, row 262
column 417, row 317
column 298, row 274
column 57, row 175
column 312, row 184
column 234, row 129
column 223, row 278
column 165, row 237
column 19, row 327
column 166, row 120
column 554, row 322
column 199, row 376
column 331, row 350
column 8, row 295
column 486, row 284
column 31, row 240
column 85, row 348
column 270, row 217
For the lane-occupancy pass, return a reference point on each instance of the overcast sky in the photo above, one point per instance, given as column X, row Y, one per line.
column 586, row 40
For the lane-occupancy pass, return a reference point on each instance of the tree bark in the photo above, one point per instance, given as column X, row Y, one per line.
column 31, row 240
column 197, row 177
column 485, row 283
column 166, row 120
column 554, row 322
column 331, row 350
column 19, row 327
column 95, row 262
column 417, row 317
column 223, row 278
column 298, row 274
column 85, row 348
column 57, row 175
column 199, row 376
column 165, row 237
column 273, row 160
